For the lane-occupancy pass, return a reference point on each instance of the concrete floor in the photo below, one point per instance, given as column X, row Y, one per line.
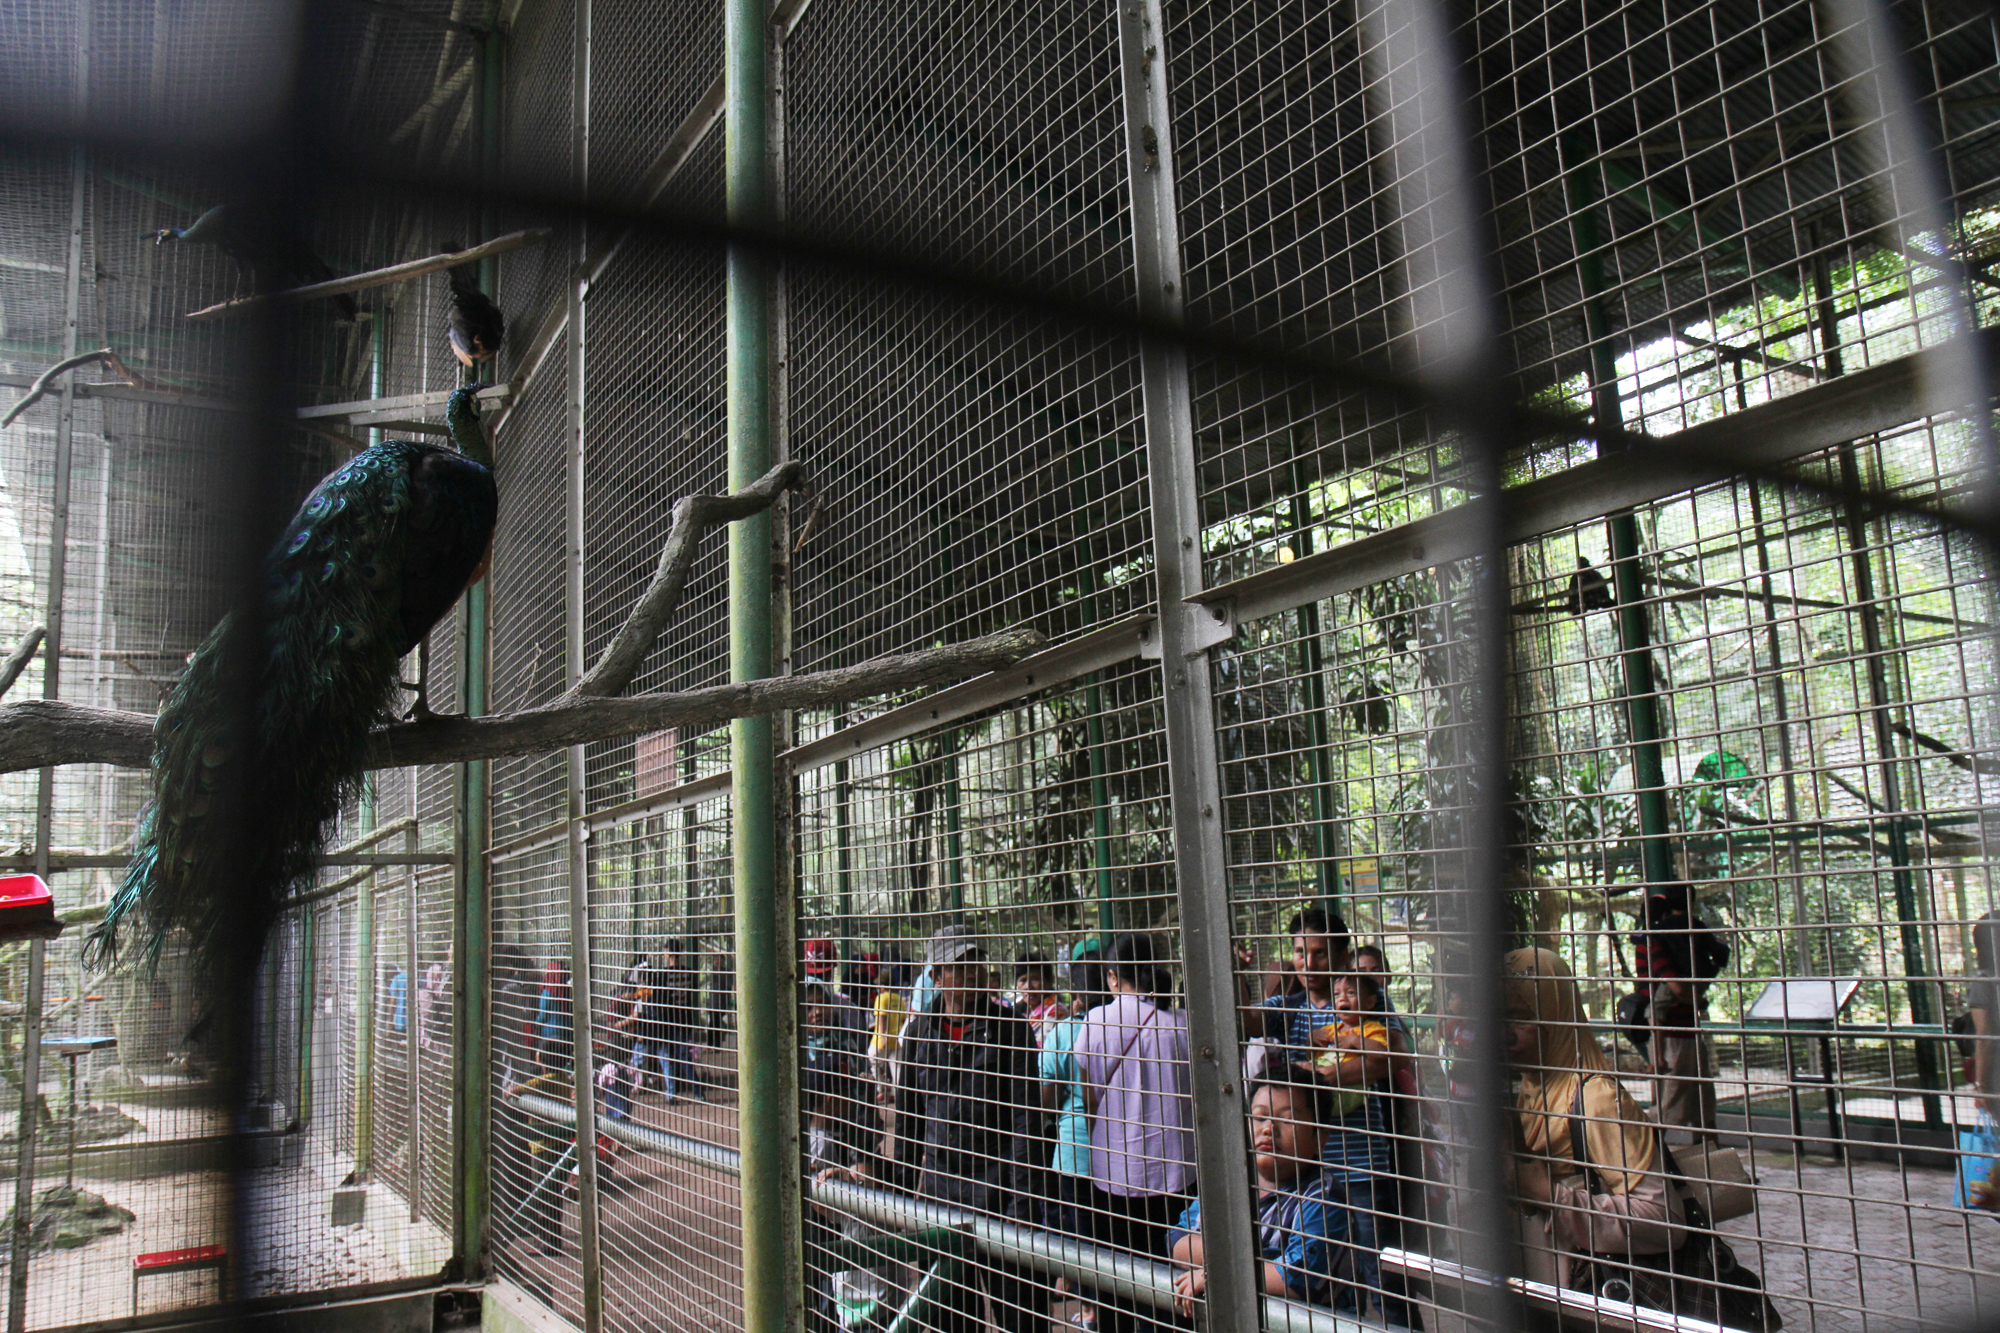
column 1861, row 1248
column 1869, row 1248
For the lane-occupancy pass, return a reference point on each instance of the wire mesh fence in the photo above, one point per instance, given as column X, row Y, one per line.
column 1124, row 324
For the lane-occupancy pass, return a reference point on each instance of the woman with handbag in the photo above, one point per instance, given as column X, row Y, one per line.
column 1605, row 1201
column 1605, row 1205
column 1133, row 1057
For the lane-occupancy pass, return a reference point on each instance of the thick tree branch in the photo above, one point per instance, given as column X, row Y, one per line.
column 40, row 733
column 693, row 517
column 47, row 377
column 354, row 282
column 17, row 661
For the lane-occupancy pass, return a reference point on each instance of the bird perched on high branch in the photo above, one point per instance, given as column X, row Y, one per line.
column 1588, row 590
column 260, row 739
column 271, row 254
column 474, row 324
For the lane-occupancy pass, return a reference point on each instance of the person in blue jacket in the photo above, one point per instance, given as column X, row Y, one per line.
column 1289, row 1113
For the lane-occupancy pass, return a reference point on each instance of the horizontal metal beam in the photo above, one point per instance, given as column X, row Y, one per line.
column 1865, row 402
column 491, row 396
column 673, row 156
column 119, row 860
column 1094, row 651
column 713, row 787
column 1148, row 1281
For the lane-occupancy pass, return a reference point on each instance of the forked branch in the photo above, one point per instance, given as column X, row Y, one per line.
column 693, row 517
column 17, row 661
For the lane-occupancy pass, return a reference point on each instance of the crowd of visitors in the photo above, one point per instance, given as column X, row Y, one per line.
column 1066, row 1105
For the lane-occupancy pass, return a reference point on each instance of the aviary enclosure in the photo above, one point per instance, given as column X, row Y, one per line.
column 1461, row 464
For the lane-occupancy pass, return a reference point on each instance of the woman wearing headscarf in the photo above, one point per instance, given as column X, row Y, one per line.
column 1606, row 1198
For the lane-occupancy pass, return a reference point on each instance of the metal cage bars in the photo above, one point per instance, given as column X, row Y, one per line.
column 1403, row 549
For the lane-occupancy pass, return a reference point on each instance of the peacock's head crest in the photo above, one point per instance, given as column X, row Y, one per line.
column 461, row 415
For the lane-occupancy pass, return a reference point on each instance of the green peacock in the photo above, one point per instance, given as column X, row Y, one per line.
column 377, row 554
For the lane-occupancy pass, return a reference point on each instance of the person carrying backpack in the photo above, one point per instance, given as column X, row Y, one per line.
column 1675, row 956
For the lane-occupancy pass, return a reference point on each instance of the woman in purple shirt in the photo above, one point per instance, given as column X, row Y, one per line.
column 1133, row 1057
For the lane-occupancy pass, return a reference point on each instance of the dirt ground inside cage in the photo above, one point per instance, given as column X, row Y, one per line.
column 286, row 1210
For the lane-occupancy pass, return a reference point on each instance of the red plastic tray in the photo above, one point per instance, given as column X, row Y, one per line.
column 27, row 908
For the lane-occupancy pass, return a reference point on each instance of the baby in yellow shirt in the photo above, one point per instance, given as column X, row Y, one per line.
column 1357, row 1027
column 890, row 1012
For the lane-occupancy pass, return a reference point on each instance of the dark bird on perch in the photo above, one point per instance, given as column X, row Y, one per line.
column 473, row 323
column 273, row 256
column 1588, row 590
column 376, row 555
column 1370, row 709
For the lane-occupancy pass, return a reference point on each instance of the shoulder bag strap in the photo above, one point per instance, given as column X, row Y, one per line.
column 1692, row 1213
column 1092, row 1094
column 1579, row 1148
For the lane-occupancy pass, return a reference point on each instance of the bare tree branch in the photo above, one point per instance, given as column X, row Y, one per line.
column 17, row 661
column 354, row 282
column 47, row 377
column 40, row 733
column 693, row 517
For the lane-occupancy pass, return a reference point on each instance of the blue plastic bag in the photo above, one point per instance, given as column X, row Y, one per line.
column 1978, row 1147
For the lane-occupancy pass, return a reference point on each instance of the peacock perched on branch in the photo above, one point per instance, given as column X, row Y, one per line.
column 376, row 555
column 271, row 255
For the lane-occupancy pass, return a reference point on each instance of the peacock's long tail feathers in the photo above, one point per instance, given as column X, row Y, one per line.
column 325, row 675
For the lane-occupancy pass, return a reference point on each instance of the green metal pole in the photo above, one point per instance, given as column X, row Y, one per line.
column 1320, row 754
column 308, row 971
column 364, row 1028
column 766, row 992
column 954, row 839
column 1100, row 814
column 472, row 921
column 1634, row 626
column 1917, row 971
column 1100, row 789
column 843, row 816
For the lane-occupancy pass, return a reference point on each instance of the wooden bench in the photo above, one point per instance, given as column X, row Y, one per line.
column 182, row 1261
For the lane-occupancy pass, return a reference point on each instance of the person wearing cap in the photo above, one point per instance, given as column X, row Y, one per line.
column 966, row 1118
column 842, row 1011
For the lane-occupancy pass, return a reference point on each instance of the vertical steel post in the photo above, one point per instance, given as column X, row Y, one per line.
column 1320, row 745
column 843, row 870
column 411, row 1086
column 583, row 1016
column 302, row 1097
column 954, row 835
column 471, row 921
column 1100, row 814
column 45, row 792
column 765, row 966
column 1184, row 634
column 1635, row 635
column 1100, row 787
column 367, row 998
column 1414, row 58
column 1781, row 706
column 1918, row 983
